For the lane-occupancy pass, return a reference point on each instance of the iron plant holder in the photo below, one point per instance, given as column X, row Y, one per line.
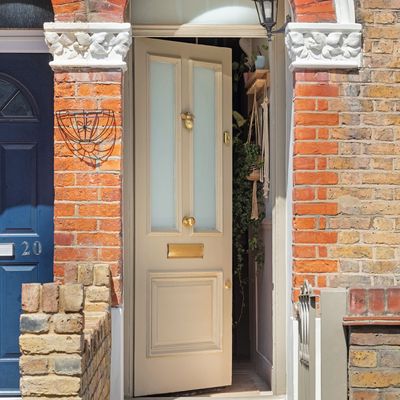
column 89, row 135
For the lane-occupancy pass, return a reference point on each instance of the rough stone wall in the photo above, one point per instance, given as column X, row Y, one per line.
column 347, row 163
column 65, row 337
column 374, row 344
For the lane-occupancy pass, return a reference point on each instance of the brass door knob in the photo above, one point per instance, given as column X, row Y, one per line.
column 188, row 221
column 188, row 118
column 228, row 284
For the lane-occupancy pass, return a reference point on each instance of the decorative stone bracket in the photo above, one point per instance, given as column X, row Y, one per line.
column 323, row 45
column 88, row 45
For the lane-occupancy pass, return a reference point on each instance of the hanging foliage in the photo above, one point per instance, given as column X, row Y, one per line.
column 246, row 231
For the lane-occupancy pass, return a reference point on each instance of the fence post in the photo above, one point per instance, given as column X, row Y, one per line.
column 333, row 345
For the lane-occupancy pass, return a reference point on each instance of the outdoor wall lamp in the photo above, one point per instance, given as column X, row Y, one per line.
column 267, row 15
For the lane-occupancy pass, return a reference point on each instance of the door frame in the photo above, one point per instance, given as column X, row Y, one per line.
column 22, row 41
column 281, row 184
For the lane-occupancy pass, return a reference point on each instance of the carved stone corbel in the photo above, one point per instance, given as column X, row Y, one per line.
column 88, row 45
column 323, row 45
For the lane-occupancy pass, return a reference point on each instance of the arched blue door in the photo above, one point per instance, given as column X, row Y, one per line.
column 26, row 194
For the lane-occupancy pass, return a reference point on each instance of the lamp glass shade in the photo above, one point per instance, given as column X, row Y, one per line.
column 266, row 10
column 268, row 5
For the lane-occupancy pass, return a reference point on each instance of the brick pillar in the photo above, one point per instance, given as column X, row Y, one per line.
column 89, row 43
column 88, row 198
column 315, row 115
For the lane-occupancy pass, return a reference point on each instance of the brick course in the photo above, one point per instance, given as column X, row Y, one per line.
column 66, row 348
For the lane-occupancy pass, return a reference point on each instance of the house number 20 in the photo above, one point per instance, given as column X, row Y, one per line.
column 36, row 248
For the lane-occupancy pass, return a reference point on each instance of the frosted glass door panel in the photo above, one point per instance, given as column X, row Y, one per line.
column 177, row 12
column 163, row 154
column 205, row 108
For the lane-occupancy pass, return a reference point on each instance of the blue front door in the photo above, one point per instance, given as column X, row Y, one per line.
column 26, row 194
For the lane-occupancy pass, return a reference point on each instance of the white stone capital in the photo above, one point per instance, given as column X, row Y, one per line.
column 324, row 45
column 88, row 45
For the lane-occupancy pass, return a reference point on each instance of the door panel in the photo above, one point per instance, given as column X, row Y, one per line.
column 183, row 299
column 26, row 193
column 164, row 148
column 11, row 278
column 18, row 201
column 207, row 84
column 175, row 299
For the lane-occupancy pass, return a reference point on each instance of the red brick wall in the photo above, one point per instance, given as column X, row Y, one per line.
column 88, row 198
column 315, row 116
column 314, row 10
column 89, row 10
column 315, row 96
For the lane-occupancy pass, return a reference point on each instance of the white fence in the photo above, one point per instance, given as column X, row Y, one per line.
column 322, row 347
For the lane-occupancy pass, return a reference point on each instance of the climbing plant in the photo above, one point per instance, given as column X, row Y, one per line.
column 246, row 231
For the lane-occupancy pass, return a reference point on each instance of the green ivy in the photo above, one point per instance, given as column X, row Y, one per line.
column 246, row 231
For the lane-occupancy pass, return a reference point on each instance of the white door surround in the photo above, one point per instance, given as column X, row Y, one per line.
column 281, row 293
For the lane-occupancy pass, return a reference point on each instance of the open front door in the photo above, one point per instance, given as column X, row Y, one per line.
column 183, row 195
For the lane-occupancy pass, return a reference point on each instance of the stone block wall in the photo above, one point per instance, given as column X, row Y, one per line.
column 374, row 343
column 347, row 163
column 65, row 337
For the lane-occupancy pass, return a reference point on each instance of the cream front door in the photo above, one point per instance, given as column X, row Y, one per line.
column 183, row 208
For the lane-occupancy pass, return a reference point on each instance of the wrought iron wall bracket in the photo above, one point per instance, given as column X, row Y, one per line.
column 89, row 134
